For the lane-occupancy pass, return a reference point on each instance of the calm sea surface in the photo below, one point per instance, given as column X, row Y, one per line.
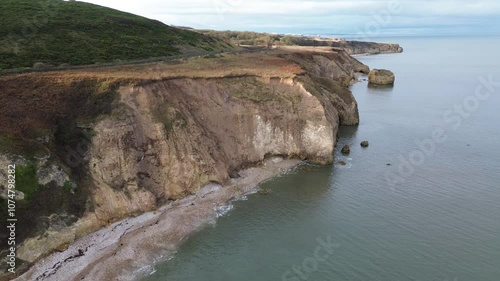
column 433, row 214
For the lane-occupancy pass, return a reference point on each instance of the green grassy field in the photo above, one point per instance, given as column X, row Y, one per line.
column 37, row 33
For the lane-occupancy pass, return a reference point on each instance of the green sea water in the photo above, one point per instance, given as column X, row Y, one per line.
column 421, row 203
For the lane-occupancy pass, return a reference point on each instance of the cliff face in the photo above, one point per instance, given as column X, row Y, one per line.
column 175, row 136
column 359, row 47
column 166, row 137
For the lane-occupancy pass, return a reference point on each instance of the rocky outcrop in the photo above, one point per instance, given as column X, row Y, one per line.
column 166, row 138
column 371, row 48
column 381, row 77
column 346, row 149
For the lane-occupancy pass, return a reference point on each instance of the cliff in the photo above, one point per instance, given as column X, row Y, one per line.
column 372, row 48
column 255, row 39
column 97, row 145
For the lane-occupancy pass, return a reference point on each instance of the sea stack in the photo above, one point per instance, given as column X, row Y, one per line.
column 346, row 149
column 381, row 77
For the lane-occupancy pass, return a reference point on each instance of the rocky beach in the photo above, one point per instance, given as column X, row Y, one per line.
column 122, row 250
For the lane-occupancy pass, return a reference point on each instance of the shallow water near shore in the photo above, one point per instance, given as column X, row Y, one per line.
column 432, row 214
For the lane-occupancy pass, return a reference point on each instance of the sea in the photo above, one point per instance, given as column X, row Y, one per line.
column 421, row 203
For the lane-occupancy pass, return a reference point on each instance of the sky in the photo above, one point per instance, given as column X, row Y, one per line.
column 361, row 17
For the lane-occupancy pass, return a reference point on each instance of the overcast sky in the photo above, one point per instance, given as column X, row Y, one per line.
column 377, row 17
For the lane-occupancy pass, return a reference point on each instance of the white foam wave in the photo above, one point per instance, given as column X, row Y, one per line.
column 223, row 210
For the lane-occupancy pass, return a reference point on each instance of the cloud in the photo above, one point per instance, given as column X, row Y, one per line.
column 340, row 15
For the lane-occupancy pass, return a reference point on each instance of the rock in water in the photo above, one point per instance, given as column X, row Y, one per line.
column 381, row 77
column 342, row 163
column 346, row 149
column 365, row 144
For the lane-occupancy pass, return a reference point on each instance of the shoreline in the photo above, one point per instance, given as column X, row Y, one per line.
column 126, row 249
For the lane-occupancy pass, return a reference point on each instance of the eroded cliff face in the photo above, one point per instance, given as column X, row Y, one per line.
column 176, row 136
column 167, row 138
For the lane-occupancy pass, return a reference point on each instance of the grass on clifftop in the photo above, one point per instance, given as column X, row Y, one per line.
column 59, row 32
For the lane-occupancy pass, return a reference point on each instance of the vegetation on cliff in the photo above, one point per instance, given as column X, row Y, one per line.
column 54, row 32
column 47, row 122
